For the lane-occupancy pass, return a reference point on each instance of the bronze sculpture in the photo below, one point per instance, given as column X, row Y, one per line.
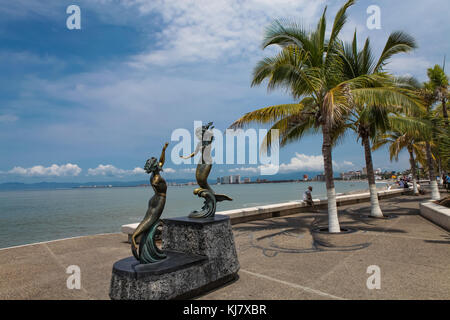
column 206, row 137
column 148, row 250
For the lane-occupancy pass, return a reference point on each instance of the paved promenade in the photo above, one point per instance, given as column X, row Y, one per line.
column 280, row 259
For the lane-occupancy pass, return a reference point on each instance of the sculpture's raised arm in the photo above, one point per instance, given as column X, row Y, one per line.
column 162, row 158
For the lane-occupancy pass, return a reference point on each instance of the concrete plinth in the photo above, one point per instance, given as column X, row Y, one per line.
column 201, row 255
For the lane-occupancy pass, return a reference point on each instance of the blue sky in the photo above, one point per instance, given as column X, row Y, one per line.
column 94, row 104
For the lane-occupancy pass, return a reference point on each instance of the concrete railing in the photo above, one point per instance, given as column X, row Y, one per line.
column 292, row 207
column 286, row 208
column 436, row 213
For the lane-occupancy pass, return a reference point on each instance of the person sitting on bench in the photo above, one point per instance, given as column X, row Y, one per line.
column 307, row 196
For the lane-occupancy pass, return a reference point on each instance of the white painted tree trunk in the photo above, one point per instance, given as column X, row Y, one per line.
column 433, row 183
column 435, row 195
column 375, row 210
column 412, row 162
column 415, row 189
column 333, row 221
column 441, row 181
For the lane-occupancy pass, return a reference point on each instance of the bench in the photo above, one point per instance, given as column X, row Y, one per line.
column 128, row 229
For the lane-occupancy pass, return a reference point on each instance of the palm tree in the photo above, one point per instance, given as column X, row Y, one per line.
column 439, row 84
column 310, row 67
column 367, row 120
column 405, row 133
column 428, row 97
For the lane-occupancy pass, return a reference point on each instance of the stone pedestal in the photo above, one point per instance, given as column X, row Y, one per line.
column 201, row 255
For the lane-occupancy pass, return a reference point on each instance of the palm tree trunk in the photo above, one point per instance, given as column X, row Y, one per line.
column 444, row 110
column 375, row 210
column 413, row 171
column 333, row 221
column 433, row 183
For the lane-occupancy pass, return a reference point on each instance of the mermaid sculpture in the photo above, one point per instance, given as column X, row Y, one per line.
column 205, row 135
column 148, row 251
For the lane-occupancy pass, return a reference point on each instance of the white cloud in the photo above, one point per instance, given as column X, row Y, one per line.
column 405, row 64
column 105, row 170
column 54, row 170
column 30, row 58
column 244, row 169
column 110, row 170
column 199, row 30
column 74, row 170
column 347, row 163
column 138, row 170
column 25, row 8
column 4, row 118
column 301, row 162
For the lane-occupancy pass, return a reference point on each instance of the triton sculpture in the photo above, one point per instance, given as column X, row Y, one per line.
column 148, row 251
column 206, row 137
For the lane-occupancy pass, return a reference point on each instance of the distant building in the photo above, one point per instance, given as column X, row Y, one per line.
column 320, row 177
column 247, row 180
column 225, row 180
column 236, row 179
column 351, row 175
column 364, row 171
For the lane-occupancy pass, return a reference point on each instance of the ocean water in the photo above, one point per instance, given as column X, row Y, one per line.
column 42, row 215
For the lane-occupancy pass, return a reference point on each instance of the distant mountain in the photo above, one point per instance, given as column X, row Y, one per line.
column 69, row 185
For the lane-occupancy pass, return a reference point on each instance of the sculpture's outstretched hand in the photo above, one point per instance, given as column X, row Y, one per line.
column 198, row 148
column 189, row 156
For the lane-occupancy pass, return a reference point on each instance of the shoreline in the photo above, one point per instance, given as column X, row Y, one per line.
column 348, row 193
column 212, row 182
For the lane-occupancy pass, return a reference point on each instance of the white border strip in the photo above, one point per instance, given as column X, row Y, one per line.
column 297, row 286
column 49, row 241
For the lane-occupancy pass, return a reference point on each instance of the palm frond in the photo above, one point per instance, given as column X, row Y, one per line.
column 268, row 114
column 339, row 22
column 397, row 42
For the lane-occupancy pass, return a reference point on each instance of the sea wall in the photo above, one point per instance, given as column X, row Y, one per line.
column 436, row 213
column 292, row 207
column 286, row 208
